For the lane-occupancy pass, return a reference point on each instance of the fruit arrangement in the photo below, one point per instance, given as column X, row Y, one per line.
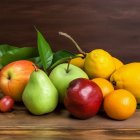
column 84, row 83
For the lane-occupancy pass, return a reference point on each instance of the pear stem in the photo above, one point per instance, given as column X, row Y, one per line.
column 75, row 43
column 35, row 67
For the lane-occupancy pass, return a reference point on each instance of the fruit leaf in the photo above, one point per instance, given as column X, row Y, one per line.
column 45, row 52
column 59, row 62
column 61, row 57
column 18, row 54
column 62, row 54
column 4, row 48
column 37, row 61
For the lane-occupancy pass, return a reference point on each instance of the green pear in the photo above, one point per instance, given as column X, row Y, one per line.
column 62, row 75
column 40, row 95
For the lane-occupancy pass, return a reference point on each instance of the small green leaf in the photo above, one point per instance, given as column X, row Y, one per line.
column 61, row 57
column 4, row 48
column 62, row 60
column 45, row 52
column 18, row 54
column 37, row 61
column 62, row 54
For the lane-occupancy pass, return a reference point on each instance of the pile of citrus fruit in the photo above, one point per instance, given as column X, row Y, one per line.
column 119, row 82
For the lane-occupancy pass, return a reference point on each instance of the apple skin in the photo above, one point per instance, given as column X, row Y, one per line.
column 14, row 77
column 6, row 104
column 61, row 79
column 83, row 99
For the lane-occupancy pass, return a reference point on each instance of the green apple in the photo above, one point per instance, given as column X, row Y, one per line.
column 62, row 75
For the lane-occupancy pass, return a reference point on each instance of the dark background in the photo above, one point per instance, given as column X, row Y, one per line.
column 113, row 25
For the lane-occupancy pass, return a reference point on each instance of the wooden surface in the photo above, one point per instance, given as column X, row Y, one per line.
column 20, row 124
column 110, row 25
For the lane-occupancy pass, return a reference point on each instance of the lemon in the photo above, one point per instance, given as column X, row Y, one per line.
column 128, row 77
column 105, row 86
column 79, row 61
column 99, row 63
column 118, row 63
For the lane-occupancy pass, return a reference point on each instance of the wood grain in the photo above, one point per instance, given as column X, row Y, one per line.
column 20, row 124
column 111, row 25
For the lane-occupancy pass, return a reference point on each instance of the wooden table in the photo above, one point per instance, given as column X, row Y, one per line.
column 110, row 25
column 20, row 124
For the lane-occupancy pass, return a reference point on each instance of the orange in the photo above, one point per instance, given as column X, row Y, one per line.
column 120, row 104
column 79, row 61
column 105, row 86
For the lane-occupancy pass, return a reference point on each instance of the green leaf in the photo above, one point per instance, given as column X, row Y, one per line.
column 4, row 48
column 37, row 61
column 61, row 57
column 62, row 54
column 62, row 60
column 18, row 54
column 45, row 52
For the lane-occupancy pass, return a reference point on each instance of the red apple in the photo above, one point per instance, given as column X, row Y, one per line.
column 83, row 98
column 6, row 104
column 14, row 77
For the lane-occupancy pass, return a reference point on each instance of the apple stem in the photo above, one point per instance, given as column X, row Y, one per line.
column 35, row 67
column 75, row 43
column 67, row 70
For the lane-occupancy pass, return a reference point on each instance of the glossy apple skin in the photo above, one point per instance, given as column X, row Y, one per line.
column 61, row 79
column 83, row 99
column 14, row 77
column 6, row 104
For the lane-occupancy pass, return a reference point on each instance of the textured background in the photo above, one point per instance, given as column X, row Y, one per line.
column 110, row 25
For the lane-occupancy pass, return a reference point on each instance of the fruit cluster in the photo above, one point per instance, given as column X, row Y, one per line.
column 84, row 83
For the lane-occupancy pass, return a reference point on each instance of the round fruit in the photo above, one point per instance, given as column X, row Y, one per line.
column 79, row 61
column 14, row 77
column 6, row 104
column 62, row 75
column 118, row 63
column 120, row 104
column 83, row 98
column 99, row 63
column 128, row 77
column 105, row 85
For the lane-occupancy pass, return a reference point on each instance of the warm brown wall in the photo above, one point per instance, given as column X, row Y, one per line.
column 111, row 25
